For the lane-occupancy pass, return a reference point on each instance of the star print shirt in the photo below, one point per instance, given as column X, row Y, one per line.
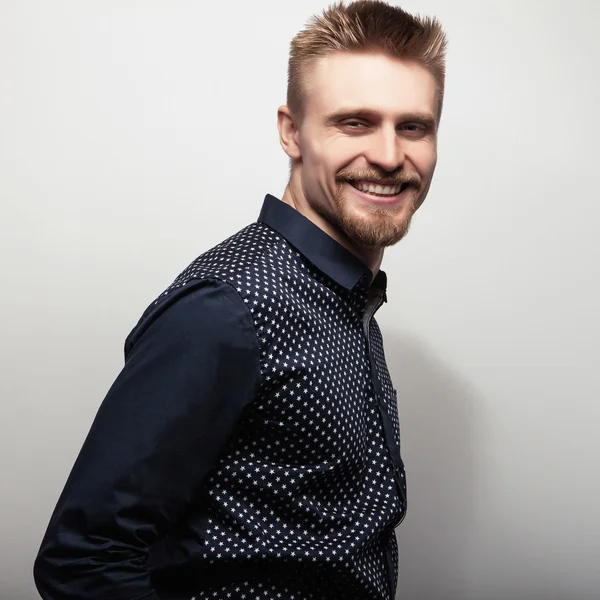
column 250, row 447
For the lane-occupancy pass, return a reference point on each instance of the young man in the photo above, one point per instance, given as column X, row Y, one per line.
column 250, row 447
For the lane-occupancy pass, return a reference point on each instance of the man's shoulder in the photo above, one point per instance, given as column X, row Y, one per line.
column 244, row 253
column 202, row 305
column 231, row 265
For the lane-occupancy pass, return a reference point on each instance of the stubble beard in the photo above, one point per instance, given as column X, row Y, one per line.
column 377, row 227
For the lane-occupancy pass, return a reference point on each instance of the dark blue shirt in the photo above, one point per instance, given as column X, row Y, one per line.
column 250, row 446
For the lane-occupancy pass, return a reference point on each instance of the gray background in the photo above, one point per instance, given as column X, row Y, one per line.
column 135, row 135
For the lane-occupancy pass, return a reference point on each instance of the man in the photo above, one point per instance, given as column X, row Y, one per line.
column 250, row 447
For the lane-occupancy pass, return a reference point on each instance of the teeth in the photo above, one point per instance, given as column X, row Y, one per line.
column 386, row 190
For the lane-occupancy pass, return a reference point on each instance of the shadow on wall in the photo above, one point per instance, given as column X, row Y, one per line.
column 438, row 421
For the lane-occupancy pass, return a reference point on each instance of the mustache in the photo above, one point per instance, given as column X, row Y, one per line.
column 375, row 175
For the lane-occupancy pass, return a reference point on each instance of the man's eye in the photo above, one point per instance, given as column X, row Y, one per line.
column 413, row 128
column 354, row 124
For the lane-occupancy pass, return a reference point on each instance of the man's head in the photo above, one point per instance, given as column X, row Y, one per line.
column 365, row 94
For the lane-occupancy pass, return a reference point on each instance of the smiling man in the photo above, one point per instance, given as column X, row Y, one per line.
column 250, row 447
column 363, row 141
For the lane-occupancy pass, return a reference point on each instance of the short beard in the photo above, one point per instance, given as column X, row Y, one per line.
column 379, row 229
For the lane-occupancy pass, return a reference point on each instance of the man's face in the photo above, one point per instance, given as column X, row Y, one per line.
column 370, row 121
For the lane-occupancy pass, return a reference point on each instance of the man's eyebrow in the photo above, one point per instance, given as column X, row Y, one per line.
column 366, row 113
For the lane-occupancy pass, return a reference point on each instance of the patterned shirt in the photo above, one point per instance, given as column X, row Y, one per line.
column 250, row 448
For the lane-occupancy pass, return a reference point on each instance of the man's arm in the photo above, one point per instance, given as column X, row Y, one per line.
column 160, row 429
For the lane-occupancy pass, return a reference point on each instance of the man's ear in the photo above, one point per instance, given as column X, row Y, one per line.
column 288, row 133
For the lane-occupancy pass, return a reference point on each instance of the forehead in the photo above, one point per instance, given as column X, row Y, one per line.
column 369, row 80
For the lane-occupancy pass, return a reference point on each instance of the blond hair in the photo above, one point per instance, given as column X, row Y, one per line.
column 363, row 26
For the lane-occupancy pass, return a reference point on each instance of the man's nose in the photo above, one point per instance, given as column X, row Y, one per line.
column 386, row 150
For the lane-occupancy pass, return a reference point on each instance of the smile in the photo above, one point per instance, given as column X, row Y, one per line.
column 375, row 189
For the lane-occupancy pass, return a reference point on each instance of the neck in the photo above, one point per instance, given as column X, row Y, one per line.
column 370, row 257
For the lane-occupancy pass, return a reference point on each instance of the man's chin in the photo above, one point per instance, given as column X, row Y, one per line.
column 374, row 230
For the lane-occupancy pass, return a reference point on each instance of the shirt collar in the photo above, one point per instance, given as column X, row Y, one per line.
column 320, row 249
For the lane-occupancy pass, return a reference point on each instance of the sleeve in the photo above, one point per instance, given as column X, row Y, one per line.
column 160, row 429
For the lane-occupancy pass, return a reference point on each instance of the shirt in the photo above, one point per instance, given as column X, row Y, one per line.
column 250, row 447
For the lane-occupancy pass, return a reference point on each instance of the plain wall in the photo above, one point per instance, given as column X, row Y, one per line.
column 134, row 135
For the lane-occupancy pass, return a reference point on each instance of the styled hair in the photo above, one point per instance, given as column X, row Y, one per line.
column 365, row 26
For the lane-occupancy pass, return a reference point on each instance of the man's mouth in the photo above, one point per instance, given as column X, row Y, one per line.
column 376, row 189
